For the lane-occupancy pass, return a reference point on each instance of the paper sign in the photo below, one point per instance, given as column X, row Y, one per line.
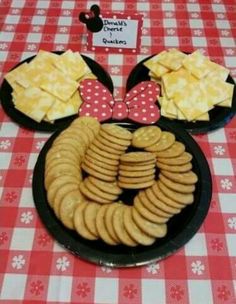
column 120, row 33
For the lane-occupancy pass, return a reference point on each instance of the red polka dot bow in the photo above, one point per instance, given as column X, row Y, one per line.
column 138, row 104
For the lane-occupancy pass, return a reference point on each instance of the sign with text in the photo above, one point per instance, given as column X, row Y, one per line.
column 121, row 33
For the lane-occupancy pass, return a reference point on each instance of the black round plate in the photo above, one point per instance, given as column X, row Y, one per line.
column 219, row 116
column 181, row 227
column 25, row 121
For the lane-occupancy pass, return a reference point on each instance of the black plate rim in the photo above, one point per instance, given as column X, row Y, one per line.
column 150, row 254
column 27, row 122
column 226, row 114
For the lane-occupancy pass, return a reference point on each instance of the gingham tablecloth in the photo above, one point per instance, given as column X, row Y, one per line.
column 33, row 267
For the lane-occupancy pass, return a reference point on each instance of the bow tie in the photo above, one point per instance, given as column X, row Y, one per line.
column 139, row 104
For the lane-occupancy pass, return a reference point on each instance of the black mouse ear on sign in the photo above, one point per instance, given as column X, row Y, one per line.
column 95, row 9
column 83, row 17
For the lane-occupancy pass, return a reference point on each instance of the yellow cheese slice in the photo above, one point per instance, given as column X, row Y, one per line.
column 87, row 76
column 197, row 64
column 33, row 74
column 61, row 109
column 191, row 101
column 164, row 103
column 173, row 59
column 11, row 77
column 176, row 81
column 156, row 68
column 216, row 90
column 218, row 71
column 72, row 64
column 34, row 103
column 226, row 103
column 203, row 117
column 58, row 85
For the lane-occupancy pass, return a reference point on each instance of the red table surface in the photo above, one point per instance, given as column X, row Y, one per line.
column 33, row 267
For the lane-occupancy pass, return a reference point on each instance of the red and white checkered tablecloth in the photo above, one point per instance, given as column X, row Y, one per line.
column 33, row 267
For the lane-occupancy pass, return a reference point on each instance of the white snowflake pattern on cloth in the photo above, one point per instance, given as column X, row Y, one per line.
column 221, row 16
column 232, row 223
column 169, row 14
column 36, row 28
column 4, row 144
column 60, row 47
column 40, row 12
column 153, row 268
column 225, row 33
column 171, row 31
column 194, row 15
column 144, row 31
column 201, row 50
column 106, row 269
column 217, row 1
column 197, row 267
column 40, row 144
column 3, row 46
column 66, row 13
column 219, row 150
column 31, row 47
column 226, row 184
column 9, row 27
column 229, row 51
column 26, row 217
column 197, row 32
column 63, row 29
column 62, row 263
column 15, row 11
column 18, row 261
column 115, row 70
column 144, row 50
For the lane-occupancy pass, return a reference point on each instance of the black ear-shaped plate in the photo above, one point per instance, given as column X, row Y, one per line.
column 23, row 120
column 219, row 116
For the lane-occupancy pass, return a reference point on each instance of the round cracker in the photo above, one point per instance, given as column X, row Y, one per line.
column 119, row 227
column 182, row 188
column 90, row 195
column 134, row 231
column 187, row 178
column 137, row 157
column 108, row 220
column 99, row 175
column 146, row 136
column 102, row 194
column 136, row 185
column 136, row 173
column 79, row 223
column 67, row 207
column 166, row 140
column 90, row 213
column 175, row 150
column 175, row 169
column 108, row 187
column 148, row 227
column 182, row 198
column 176, row 161
column 117, row 131
column 148, row 214
column 101, row 227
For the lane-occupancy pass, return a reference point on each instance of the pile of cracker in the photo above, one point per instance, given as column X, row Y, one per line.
column 191, row 85
column 46, row 88
column 89, row 166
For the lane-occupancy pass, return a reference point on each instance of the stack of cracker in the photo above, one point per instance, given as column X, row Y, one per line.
column 191, row 85
column 102, row 158
column 136, row 170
